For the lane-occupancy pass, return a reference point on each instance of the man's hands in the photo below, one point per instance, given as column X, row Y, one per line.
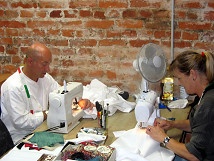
column 85, row 104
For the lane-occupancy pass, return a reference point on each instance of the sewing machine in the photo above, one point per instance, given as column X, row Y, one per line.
column 64, row 111
column 144, row 108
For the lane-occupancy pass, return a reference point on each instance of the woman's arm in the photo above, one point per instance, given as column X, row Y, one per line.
column 166, row 125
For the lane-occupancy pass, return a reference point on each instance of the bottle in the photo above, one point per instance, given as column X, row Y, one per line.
column 167, row 85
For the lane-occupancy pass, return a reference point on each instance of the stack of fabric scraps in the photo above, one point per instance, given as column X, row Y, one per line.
column 44, row 139
column 97, row 91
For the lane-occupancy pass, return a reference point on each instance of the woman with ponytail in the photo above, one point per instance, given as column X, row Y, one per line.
column 195, row 71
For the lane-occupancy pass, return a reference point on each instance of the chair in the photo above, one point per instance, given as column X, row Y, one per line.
column 6, row 142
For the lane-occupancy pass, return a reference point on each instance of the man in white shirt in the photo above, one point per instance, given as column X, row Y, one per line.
column 24, row 95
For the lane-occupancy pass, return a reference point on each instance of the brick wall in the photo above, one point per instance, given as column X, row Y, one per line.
column 101, row 38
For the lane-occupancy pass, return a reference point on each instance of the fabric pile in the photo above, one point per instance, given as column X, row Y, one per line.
column 97, row 91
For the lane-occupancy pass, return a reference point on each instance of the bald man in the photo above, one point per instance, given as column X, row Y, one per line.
column 25, row 93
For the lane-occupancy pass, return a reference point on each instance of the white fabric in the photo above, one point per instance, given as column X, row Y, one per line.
column 97, row 91
column 15, row 104
column 180, row 103
column 136, row 145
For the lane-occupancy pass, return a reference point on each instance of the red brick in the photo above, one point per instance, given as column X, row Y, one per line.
column 111, row 75
column 204, row 45
column 162, row 14
column 112, row 42
column 41, row 14
column 52, row 4
column 11, row 50
column 157, row 4
column 56, row 42
column 190, row 36
column 192, row 15
column 130, row 23
column 83, row 3
column 53, row 32
column 177, row 34
column 9, row 69
column 114, row 33
column 129, row 33
column 1, row 12
column 12, row 32
column 56, row 14
column 146, row 13
column 16, row 60
column 1, row 32
column 99, row 24
column 68, row 33
column 99, row 14
column 42, row 24
column 96, row 74
column 182, row 44
column 164, row 25
column 70, row 13
column 130, row 13
column 12, row 24
column 24, row 13
column 7, row 41
column 139, row 43
column 113, row 4
column 160, row 34
column 81, row 43
column 24, row 5
column 37, row 32
column 194, row 25
column 11, row 14
column 192, row 5
column 209, row 15
column 79, row 34
column 210, row 4
column 23, row 49
column 2, row 49
column 85, row 13
column 3, row 4
column 71, row 24
column 139, row 3
column 180, row 14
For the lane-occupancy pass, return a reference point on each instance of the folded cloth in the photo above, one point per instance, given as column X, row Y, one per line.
column 45, row 138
